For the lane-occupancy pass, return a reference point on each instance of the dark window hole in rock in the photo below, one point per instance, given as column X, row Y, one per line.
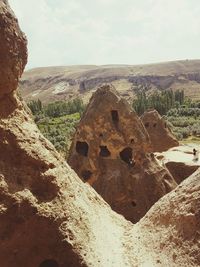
column 115, row 116
column 146, row 124
column 133, row 203
column 100, row 135
column 104, row 152
column 126, row 155
column 152, row 155
column 49, row 263
column 165, row 125
column 154, row 125
column 82, row 148
column 132, row 141
column 86, row 174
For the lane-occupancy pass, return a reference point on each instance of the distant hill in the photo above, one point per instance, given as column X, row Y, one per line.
column 61, row 83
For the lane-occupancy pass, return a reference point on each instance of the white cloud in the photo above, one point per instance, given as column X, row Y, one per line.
column 109, row 31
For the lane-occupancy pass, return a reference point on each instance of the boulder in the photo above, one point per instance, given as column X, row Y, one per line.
column 160, row 134
column 110, row 151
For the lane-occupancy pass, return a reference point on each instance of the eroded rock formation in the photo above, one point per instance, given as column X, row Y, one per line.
column 48, row 217
column 160, row 134
column 180, row 171
column 13, row 56
column 110, row 152
column 171, row 230
column 179, row 161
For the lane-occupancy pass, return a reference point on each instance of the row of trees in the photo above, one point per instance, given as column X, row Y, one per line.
column 35, row 106
column 58, row 108
column 184, row 111
column 161, row 101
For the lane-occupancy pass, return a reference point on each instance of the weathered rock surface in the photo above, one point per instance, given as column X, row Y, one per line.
column 171, row 230
column 13, row 55
column 160, row 134
column 110, row 152
column 180, row 171
column 48, row 217
column 179, row 161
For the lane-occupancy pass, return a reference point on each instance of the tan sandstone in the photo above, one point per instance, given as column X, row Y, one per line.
column 160, row 134
column 179, row 161
column 49, row 218
column 110, row 151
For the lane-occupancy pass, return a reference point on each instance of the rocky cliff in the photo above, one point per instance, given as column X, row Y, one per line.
column 59, row 83
column 48, row 217
column 13, row 54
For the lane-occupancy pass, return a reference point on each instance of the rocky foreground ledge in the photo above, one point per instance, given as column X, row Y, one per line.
column 49, row 217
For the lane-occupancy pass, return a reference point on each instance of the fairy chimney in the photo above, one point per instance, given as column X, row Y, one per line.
column 48, row 217
column 160, row 134
column 110, row 152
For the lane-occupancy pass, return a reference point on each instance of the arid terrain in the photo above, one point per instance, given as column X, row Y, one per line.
column 61, row 83
column 49, row 217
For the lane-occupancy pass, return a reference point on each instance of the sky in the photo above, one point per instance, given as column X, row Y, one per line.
column 75, row 32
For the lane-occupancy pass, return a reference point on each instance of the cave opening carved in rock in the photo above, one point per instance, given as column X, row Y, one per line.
column 146, row 124
column 86, row 174
column 49, row 263
column 104, row 152
column 126, row 155
column 133, row 203
column 82, row 148
column 115, row 116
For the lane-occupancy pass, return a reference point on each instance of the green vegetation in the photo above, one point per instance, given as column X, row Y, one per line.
column 56, row 109
column 57, row 121
column 182, row 114
column 161, row 101
column 187, row 125
column 36, row 106
column 59, row 131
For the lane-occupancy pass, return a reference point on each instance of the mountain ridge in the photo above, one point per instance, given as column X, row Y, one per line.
column 65, row 82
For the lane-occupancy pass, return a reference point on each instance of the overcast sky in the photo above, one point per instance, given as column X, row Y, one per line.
column 67, row 32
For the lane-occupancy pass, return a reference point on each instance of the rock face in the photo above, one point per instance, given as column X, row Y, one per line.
column 49, row 218
column 179, row 161
column 160, row 135
column 174, row 235
column 13, row 54
column 180, row 171
column 110, row 152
